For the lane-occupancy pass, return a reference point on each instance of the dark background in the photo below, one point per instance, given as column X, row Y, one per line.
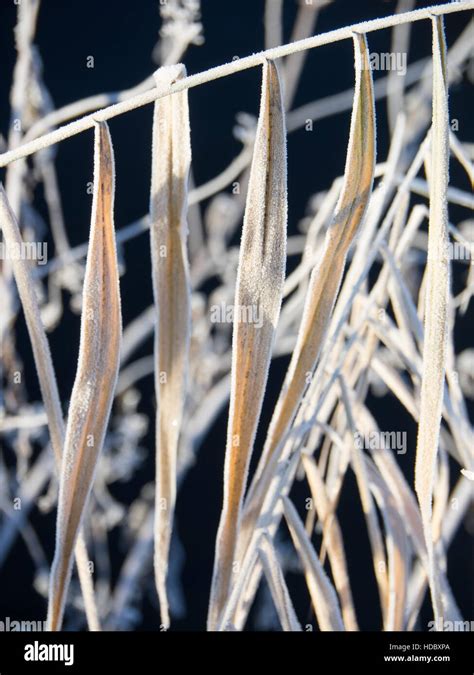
column 121, row 36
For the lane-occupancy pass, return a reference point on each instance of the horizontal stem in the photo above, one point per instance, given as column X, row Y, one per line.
column 87, row 122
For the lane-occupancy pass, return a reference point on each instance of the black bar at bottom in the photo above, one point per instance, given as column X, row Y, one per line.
column 306, row 652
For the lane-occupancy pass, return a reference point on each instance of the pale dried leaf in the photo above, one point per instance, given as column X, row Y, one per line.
column 259, row 285
column 96, row 376
column 325, row 277
column 436, row 307
column 171, row 159
column 47, row 382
